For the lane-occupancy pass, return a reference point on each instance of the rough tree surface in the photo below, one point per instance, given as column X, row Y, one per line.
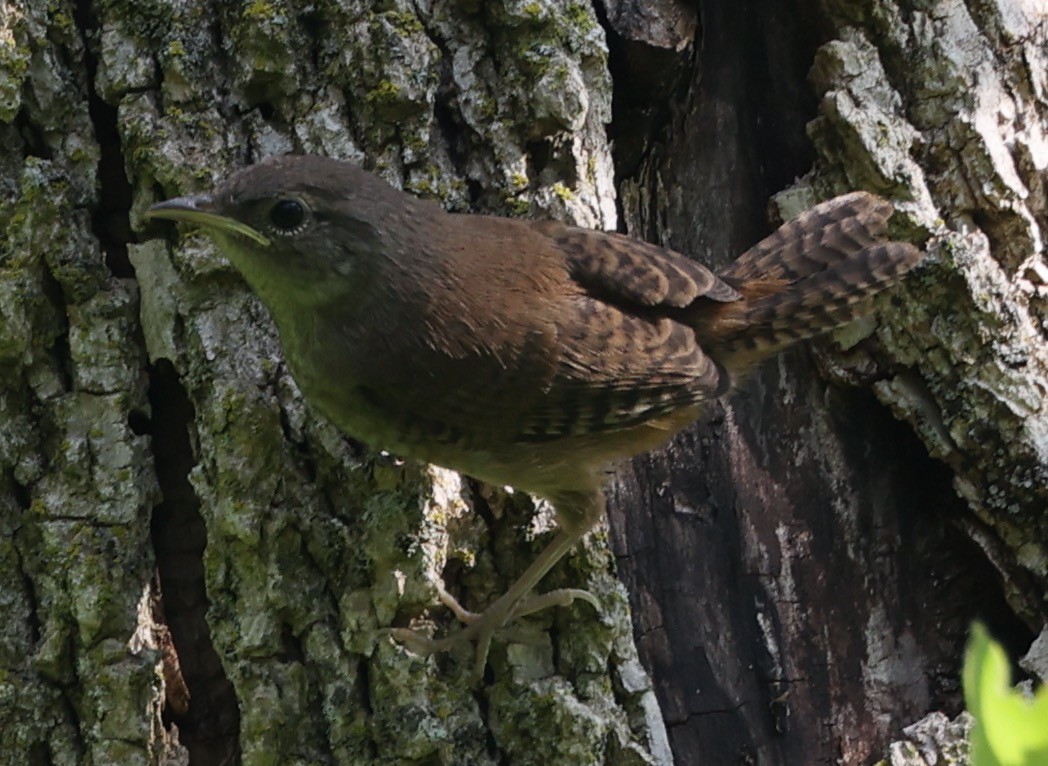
column 194, row 568
column 803, row 574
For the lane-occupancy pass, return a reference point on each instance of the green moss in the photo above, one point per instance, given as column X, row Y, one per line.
column 63, row 22
column 581, row 16
column 534, row 10
column 404, row 22
column 563, row 191
column 488, row 108
column 14, row 63
column 386, row 92
column 519, row 207
column 260, row 10
column 519, row 180
column 423, row 188
column 416, row 143
column 17, row 220
column 537, row 58
column 176, row 49
column 14, row 60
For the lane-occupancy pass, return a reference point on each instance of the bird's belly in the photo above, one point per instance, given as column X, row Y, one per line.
column 352, row 400
column 348, row 402
column 541, row 468
column 344, row 401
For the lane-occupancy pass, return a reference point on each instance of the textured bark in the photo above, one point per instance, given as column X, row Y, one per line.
column 197, row 568
column 802, row 574
column 800, row 570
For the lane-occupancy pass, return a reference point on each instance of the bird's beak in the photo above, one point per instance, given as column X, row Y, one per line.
column 200, row 210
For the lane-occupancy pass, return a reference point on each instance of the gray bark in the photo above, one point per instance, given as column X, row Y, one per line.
column 802, row 573
column 801, row 566
column 164, row 485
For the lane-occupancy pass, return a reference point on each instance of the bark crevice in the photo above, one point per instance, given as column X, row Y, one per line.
column 111, row 219
column 210, row 728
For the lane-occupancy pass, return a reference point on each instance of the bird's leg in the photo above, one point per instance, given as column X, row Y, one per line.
column 481, row 627
column 577, row 513
column 527, row 605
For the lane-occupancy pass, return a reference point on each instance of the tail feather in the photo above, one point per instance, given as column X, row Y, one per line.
column 816, row 239
column 815, row 273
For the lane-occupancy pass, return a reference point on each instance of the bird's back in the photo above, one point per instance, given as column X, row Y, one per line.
column 552, row 351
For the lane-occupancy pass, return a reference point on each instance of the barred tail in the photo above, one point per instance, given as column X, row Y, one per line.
column 815, row 273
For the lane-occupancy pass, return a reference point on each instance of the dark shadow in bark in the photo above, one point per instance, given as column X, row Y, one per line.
column 210, row 729
column 774, row 551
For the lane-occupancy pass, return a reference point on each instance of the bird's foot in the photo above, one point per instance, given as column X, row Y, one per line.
column 481, row 627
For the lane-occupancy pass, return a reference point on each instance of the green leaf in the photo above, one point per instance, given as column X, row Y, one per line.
column 1010, row 729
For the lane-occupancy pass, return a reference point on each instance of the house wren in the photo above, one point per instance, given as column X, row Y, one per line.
column 523, row 353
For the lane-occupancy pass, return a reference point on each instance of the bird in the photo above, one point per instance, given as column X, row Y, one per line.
column 523, row 353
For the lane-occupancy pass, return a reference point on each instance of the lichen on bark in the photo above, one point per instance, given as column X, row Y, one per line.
column 129, row 348
column 134, row 364
column 968, row 150
column 76, row 480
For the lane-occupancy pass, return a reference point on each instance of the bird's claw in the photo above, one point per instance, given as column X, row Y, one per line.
column 481, row 627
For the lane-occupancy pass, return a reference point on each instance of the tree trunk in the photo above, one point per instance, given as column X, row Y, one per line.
column 197, row 569
column 802, row 573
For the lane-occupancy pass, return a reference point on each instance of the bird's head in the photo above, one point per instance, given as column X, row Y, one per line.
column 299, row 227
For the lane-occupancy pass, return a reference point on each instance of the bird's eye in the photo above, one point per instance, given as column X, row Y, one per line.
column 287, row 215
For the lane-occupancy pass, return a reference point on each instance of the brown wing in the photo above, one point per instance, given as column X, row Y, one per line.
column 625, row 359
column 563, row 332
column 618, row 370
column 635, row 273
